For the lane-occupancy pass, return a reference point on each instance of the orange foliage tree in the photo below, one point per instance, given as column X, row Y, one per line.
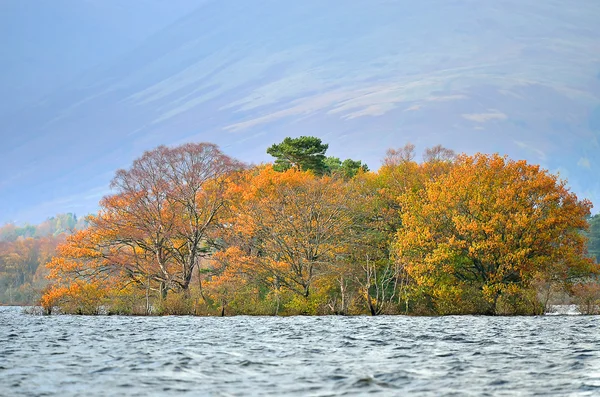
column 290, row 227
column 494, row 225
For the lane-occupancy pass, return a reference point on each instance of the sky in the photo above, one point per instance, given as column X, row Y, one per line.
column 87, row 86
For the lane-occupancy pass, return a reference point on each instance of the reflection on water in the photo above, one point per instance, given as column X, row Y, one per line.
column 140, row 356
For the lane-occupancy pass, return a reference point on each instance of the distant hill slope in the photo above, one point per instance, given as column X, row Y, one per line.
column 520, row 77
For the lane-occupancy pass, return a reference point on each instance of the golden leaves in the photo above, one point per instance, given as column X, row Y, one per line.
column 506, row 219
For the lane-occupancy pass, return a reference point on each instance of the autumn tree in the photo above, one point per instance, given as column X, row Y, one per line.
column 438, row 153
column 488, row 228
column 291, row 227
column 306, row 153
column 402, row 155
column 155, row 228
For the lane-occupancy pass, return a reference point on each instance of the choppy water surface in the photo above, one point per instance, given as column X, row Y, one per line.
column 139, row 356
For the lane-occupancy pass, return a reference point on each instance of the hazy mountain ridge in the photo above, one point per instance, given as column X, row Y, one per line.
column 514, row 77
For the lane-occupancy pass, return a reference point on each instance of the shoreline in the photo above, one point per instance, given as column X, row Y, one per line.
column 554, row 311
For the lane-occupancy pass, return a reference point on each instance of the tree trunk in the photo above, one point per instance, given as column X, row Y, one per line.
column 370, row 304
column 201, row 291
column 148, row 296
column 163, row 290
column 306, row 290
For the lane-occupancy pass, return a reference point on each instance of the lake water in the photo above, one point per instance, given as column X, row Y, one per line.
column 303, row 356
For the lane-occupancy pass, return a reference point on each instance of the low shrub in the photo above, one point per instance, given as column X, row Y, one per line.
column 586, row 296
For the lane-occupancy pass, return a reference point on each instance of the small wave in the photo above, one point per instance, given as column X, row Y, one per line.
column 58, row 356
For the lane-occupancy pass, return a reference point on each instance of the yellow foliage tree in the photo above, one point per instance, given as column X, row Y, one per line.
column 492, row 224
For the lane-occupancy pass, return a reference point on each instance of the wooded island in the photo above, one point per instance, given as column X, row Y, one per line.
column 190, row 230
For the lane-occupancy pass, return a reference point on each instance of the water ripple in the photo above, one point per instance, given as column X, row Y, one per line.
column 326, row 356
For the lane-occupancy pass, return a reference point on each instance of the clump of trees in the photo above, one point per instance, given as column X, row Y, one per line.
column 190, row 230
column 307, row 153
column 24, row 251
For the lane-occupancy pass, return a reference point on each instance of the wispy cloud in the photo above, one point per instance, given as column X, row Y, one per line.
column 484, row 117
column 584, row 162
column 532, row 149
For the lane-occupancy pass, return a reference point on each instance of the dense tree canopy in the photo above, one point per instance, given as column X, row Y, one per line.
column 190, row 230
column 492, row 224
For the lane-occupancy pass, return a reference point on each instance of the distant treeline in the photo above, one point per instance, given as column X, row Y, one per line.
column 190, row 230
column 24, row 252
column 54, row 226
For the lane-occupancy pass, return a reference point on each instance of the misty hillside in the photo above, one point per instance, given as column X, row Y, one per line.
column 520, row 77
